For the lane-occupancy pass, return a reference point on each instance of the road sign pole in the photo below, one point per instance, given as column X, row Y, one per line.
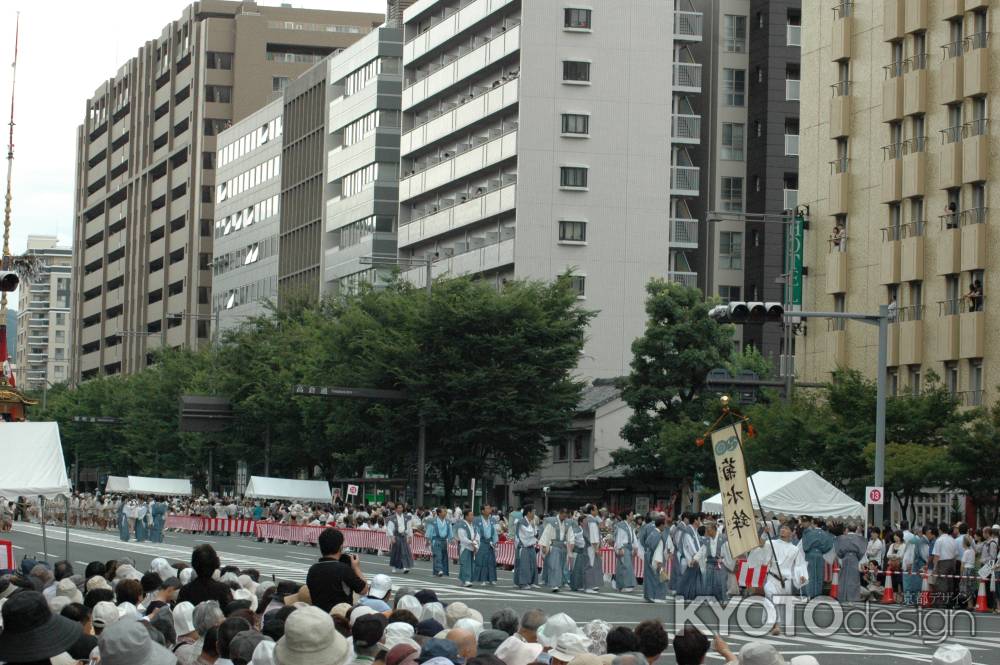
column 421, row 460
column 883, row 337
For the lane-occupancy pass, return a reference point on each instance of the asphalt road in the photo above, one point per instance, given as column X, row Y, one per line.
column 868, row 636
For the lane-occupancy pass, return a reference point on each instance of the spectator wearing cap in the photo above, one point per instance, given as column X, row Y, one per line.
column 531, row 621
column 184, row 625
column 31, row 632
column 103, row 615
column 515, row 651
column 455, row 611
column 437, row 648
column 367, row 632
column 128, row 642
column 653, row 640
column 425, row 596
column 690, row 646
column 429, row 628
column 555, row 626
column 243, row 646
column 311, row 639
column 751, row 653
column 229, row 629
column 505, row 620
column 379, row 594
column 67, row 589
column 568, row 646
column 402, row 654
column 397, row 632
column 489, row 640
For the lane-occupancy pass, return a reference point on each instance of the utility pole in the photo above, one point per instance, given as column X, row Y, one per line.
column 427, row 261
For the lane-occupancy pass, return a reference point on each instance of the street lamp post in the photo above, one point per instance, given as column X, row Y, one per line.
column 427, row 261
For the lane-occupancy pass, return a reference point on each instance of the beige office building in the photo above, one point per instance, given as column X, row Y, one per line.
column 146, row 159
column 43, row 316
column 895, row 164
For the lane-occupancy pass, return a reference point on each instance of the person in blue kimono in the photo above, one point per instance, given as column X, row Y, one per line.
column 581, row 553
column 141, row 517
column 624, row 547
column 526, row 554
column 468, row 542
column 554, row 541
column 687, row 543
column 715, row 562
column 439, row 533
column 158, row 510
column 815, row 543
column 650, row 536
column 484, row 569
column 915, row 556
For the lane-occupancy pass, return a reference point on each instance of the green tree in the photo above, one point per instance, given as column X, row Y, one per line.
column 973, row 449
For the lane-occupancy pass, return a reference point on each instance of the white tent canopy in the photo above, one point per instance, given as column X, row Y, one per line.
column 33, row 463
column 287, row 488
column 795, row 493
column 144, row 485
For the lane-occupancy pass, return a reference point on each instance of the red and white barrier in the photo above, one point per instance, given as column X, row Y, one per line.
column 183, row 522
column 7, row 555
column 227, row 525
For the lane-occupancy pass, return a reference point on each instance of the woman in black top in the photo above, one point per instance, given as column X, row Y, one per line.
column 205, row 562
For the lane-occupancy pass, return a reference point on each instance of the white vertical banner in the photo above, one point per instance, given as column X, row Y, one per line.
column 737, row 508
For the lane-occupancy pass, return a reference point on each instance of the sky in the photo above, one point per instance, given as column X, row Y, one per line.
column 67, row 49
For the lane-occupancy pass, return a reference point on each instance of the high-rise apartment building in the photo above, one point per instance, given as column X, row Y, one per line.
column 43, row 328
column 895, row 167
column 247, row 205
column 533, row 143
column 145, row 190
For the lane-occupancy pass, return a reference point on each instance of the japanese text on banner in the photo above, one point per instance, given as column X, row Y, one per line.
column 737, row 509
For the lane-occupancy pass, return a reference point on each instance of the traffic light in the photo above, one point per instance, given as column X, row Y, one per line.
column 8, row 281
column 741, row 312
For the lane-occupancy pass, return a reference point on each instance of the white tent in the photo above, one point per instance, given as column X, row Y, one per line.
column 286, row 488
column 795, row 493
column 33, row 463
column 144, row 485
column 116, row 484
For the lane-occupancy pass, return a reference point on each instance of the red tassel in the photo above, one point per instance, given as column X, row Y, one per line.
column 699, row 442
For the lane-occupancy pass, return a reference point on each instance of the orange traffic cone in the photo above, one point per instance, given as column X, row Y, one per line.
column 925, row 593
column 981, row 598
column 835, row 580
column 888, row 598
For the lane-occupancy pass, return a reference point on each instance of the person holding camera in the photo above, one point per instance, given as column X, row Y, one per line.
column 337, row 575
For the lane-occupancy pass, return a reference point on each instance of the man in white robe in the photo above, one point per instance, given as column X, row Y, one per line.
column 787, row 571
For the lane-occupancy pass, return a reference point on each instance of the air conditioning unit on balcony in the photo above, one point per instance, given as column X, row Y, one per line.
column 448, row 252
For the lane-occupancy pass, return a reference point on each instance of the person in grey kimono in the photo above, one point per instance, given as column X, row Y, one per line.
column 592, row 535
column 672, row 533
column 715, row 561
column 122, row 516
column 485, row 570
column 569, row 528
column 687, row 542
column 581, row 562
column 468, row 542
column 650, row 536
column 553, row 543
column 399, row 529
column 624, row 547
column 851, row 548
column 815, row 543
column 526, row 554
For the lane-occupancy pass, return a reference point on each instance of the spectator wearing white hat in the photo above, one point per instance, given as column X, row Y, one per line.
column 103, row 615
column 568, row 647
column 311, row 639
column 556, row 626
column 515, row 651
column 379, row 593
column 128, row 643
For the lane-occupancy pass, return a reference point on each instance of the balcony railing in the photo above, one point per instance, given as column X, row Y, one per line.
column 843, row 9
column 950, row 220
column 952, row 134
column 684, row 177
column 841, row 88
column 915, row 62
column 953, row 50
column 913, row 229
column 892, row 233
column 892, row 151
column 914, row 144
column 792, row 89
column 951, row 307
column 688, row 24
column 686, row 278
column 970, row 397
column 791, row 199
column 686, row 126
column 687, row 75
column 792, row 144
column 977, row 41
column 974, row 216
column 976, row 127
column 684, row 232
column 839, row 165
column 893, row 69
column 910, row 313
column 793, row 35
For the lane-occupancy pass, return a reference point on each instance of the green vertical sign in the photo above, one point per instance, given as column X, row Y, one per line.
column 798, row 238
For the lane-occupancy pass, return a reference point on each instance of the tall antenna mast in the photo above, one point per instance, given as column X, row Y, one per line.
column 5, row 258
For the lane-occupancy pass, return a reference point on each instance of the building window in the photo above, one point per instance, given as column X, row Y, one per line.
column 278, row 83
column 732, row 193
column 731, row 250
column 915, row 380
column 581, row 447
column 732, row 141
column 734, row 86
column 575, row 123
column 736, row 33
column 217, row 60
column 573, row 176
column 572, row 231
column 560, row 451
column 729, row 293
column 352, row 183
column 220, row 93
column 578, row 19
column 60, row 319
column 578, row 284
column 951, row 377
column 576, row 71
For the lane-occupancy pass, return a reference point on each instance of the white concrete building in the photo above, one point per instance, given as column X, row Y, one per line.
column 43, row 313
column 535, row 142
